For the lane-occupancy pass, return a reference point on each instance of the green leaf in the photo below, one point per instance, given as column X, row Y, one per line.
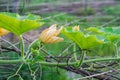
column 113, row 38
column 93, row 30
column 108, row 34
column 113, row 30
column 105, row 50
column 19, row 24
column 112, row 34
column 107, row 29
column 84, row 41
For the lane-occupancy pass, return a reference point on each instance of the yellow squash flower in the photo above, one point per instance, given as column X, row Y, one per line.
column 50, row 34
column 3, row 31
column 76, row 28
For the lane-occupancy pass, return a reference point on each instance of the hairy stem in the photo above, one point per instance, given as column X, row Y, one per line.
column 82, row 58
column 116, row 50
column 75, row 54
column 22, row 46
column 61, row 64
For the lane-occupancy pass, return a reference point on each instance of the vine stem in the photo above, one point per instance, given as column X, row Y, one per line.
column 22, row 46
column 116, row 50
column 0, row 45
column 61, row 64
column 75, row 55
column 16, row 73
column 82, row 58
column 29, row 48
column 19, row 68
column 32, row 73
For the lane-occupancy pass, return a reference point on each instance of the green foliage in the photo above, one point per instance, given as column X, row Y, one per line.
column 51, row 73
column 93, row 30
column 19, row 24
column 61, row 18
column 84, row 41
column 72, row 20
column 101, row 41
column 112, row 34
column 105, row 50
column 108, row 34
column 56, row 48
column 112, row 10
column 36, row 44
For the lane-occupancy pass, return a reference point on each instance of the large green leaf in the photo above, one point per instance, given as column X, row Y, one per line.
column 19, row 24
column 84, row 41
column 108, row 34
column 112, row 33
column 100, row 40
column 93, row 30
column 113, row 30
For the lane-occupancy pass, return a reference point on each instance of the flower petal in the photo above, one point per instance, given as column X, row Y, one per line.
column 51, row 31
column 3, row 31
column 76, row 28
column 54, row 40
column 58, row 31
column 49, row 35
column 53, row 26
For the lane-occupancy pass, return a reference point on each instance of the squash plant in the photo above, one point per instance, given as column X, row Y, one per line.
column 85, row 39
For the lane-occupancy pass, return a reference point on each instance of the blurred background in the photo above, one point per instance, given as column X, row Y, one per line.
column 85, row 13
